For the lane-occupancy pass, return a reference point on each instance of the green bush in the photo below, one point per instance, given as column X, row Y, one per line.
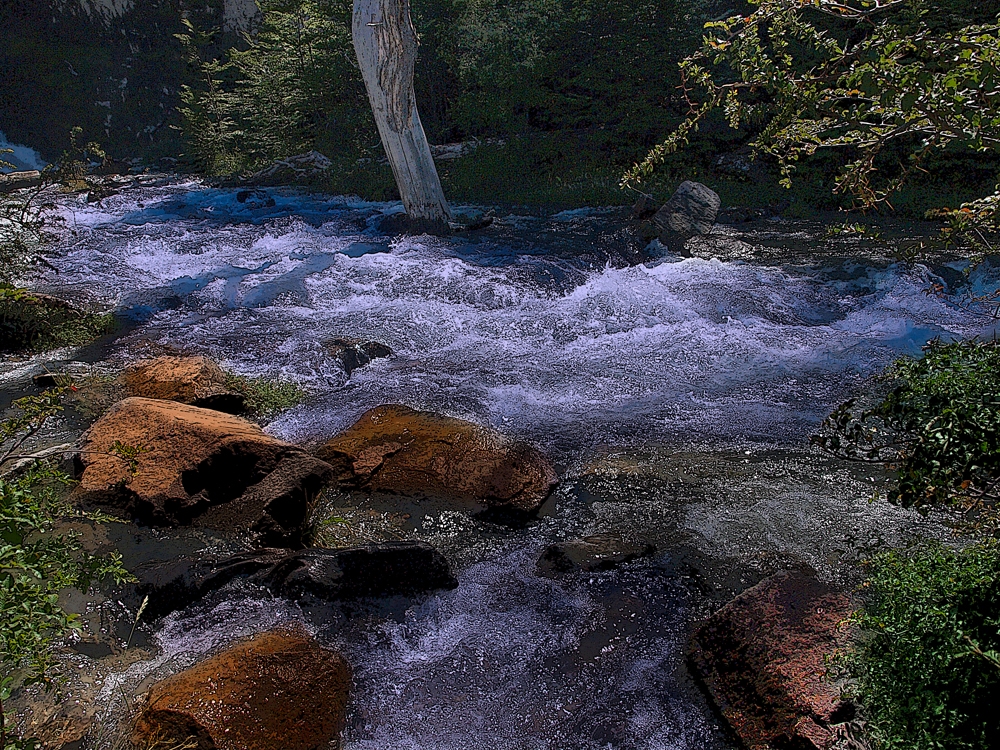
column 265, row 397
column 33, row 322
column 927, row 664
column 37, row 561
column 938, row 426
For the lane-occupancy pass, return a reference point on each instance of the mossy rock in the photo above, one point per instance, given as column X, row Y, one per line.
column 36, row 322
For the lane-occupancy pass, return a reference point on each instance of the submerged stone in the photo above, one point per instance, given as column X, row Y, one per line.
column 280, row 689
column 169, row 464
column 393, row 449
column 354, row 353
column 372, row 570
column 590, row 554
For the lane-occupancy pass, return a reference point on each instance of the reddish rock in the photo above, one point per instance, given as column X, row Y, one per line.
column 397, row 450
column 198, row 467
column 197, row 381
column 279, row 690
column 762, row 659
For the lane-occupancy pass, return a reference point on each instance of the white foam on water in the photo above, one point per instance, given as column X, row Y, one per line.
column 547, row 347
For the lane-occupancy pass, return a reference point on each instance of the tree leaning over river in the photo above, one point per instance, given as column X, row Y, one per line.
column 386, row 45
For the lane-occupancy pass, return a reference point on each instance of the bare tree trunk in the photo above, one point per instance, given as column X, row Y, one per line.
column 386, row 45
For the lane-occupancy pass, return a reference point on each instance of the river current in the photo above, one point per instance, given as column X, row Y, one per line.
column 675, row 396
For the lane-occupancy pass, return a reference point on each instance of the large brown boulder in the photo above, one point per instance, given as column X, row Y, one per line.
column 279, row 690
column 396, row 450
column 169, row 464
column 197, row 381
column 762, row 658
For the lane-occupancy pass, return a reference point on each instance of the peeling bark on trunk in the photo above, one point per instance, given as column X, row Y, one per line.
column 386, row 45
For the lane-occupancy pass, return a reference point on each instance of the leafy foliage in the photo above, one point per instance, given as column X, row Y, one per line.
column 33, row 322
column 880, row 81
column 939, row 425
column 37, row 560
column 928, row 662
column 265, row 397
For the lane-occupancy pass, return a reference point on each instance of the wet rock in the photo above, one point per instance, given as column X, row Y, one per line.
column 255, row 199
column 301, row 168
column 279, row 690
column 197, row 381
column 371, row 570
column 355, row 353
column 169, row 464
column 691, row 211
column 762, row 659
column 644, row 207
column 18, row 180
column 590, row 554
column 400, row 223
column 393, row 449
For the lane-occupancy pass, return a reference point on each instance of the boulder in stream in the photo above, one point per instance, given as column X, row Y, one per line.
column 590, row 554
column 762, row 659
column 396, row 450
column 375, row 570
column 169, row 464
column 691, row 211
column 280, row 689
column 197, row 381
column 354, row 353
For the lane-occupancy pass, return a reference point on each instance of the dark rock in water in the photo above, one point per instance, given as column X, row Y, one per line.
column 280, row 689
column 355, row 353
column 197, row 381
column 198, row 467
column 644, row 207
column 374, row 570
column 400, row 223
column 691, row 211
column 393, row 449
column 762, row 658
column 254, row 199
column 472, row 220
column 590, row 554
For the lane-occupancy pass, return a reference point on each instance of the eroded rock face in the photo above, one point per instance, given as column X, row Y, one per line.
column 397, row 450
column 198, row 467
column 197, row 381
column 761, row 658
column 590, row 554
column 279, row 690
column 382, row 569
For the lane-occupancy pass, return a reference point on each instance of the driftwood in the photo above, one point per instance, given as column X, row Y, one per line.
column 18, row 180
column 386, row 45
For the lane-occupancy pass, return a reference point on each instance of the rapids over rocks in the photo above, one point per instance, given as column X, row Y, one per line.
column 675, row 397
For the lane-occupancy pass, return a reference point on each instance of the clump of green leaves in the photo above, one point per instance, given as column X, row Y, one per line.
column 34, row 322
column 885, row 83
column 928, row 661
column 938, row 426
column 264, row 397
column 37, row 560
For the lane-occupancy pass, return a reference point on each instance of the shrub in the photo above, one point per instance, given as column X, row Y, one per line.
column 264, row 396
column 938, row 426
column 927, row 665
column 37, row 560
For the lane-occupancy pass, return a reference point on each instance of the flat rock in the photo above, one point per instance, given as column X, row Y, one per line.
column 280, row 689
column 396, row 450
column 762, row 659
column 590, row 554
column 198, row 467
column 197, row 381
column 372, row 570
column 354, row 353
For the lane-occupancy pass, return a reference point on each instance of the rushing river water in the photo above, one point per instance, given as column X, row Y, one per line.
column 676, row 397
